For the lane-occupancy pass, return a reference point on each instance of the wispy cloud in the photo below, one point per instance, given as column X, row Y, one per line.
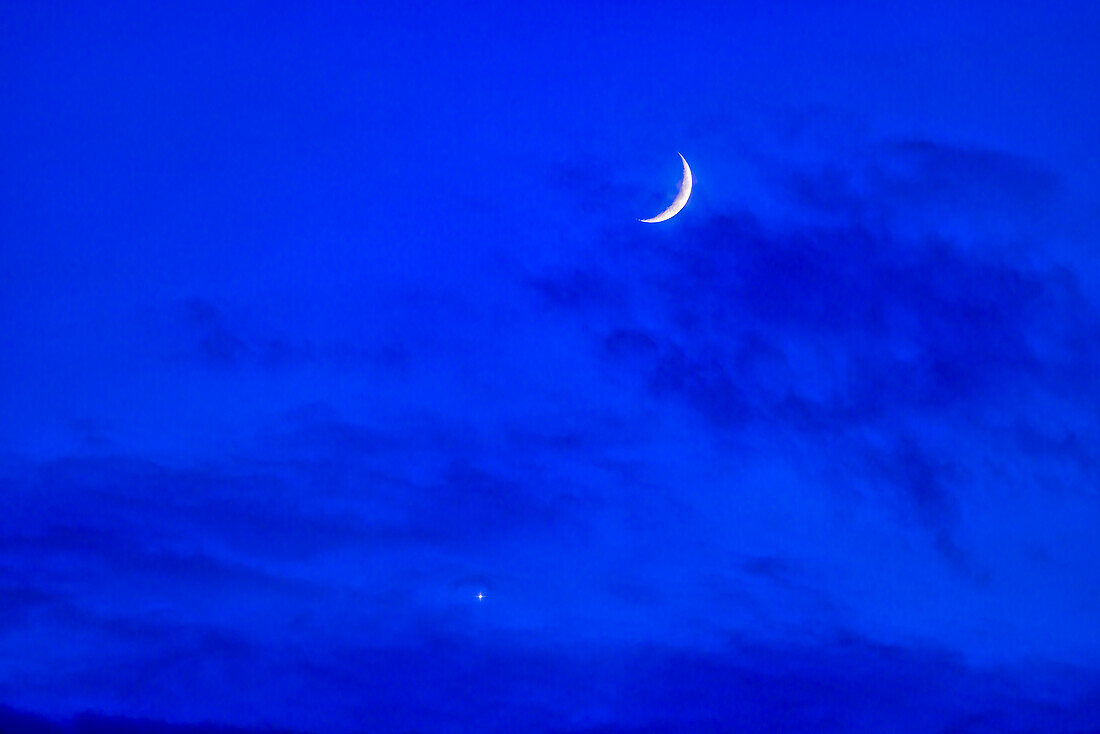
column 759, row 417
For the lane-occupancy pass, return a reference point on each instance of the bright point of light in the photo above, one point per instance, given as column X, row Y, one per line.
column 480, row 596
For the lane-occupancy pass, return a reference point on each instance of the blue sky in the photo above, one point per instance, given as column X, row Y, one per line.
column 317, row 322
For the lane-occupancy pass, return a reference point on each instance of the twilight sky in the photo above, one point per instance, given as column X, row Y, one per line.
column 318, row 320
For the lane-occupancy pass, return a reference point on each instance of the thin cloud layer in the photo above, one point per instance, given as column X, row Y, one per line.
column 782, row 454
column 342, row 391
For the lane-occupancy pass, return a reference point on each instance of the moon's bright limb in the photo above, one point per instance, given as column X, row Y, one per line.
column 680, row 200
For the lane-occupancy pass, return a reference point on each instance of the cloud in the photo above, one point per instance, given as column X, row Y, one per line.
column 915, row 183
column 857, row 331
column 709, row 478
column 216, row 344
column 842, row 684
column 14, row 721
column 207, row 334
column 918, row 171
column 844, row 324
column 575, row 289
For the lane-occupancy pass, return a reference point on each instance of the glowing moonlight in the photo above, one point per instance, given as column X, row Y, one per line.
column 681, row 198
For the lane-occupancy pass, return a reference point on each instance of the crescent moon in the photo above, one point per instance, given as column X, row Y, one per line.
column 681, row 198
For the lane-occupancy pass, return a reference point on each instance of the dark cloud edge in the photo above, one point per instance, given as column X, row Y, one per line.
column 21, row 721
column 845, row 684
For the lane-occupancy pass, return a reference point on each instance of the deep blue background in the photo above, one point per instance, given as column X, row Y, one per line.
column 320, row 319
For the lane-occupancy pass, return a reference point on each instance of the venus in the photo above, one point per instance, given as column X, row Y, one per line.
column 681, row 197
